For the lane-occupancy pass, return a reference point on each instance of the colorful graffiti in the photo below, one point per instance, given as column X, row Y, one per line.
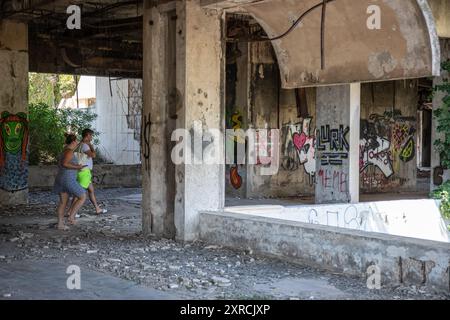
column 13, row 152
column 299, row 147
column 235, row 178
column 386, row 142
column 235, row 122
column 334, row 143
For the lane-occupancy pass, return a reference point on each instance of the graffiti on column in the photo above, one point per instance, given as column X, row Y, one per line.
column 145, row 141
column 235, row 123
column 386, row 142
column 299, row 148
column 13, row 152
column 135, row 107
column 334, row 143
column 333, row 179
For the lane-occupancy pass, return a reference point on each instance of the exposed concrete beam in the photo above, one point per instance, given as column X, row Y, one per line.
column 225, row 4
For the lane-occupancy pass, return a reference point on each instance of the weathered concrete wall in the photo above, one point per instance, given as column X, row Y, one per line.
column 441, row 13
column 388, row 136
column 200, row 83
column 275, row 108
column 105, row 176
column 401, row 260
column 158, row 122
column 388, row 131
column 119, row 120
column 337, row 143
column 402, row 218
column 13, row 113
column 439, row 173
column 404, row 46
column 237, row 113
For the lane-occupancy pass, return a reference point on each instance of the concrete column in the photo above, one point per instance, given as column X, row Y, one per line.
column 200, row 78
column 13, row 113
column 439, row 175
column 337, row 143
column 158, row 176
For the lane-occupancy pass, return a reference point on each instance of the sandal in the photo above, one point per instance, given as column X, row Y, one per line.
column 102, row 211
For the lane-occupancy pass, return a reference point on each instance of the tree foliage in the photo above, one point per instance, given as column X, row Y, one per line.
column 48, row 126
column 50, row 88
column 442, row 115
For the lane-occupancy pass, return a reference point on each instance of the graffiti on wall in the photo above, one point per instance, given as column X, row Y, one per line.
column 234, row 122
column 334, row 144
column 13, row 151
column 145, row 141
column 386, row 142
column 336, row 180
column 299, row 148
column 135, row 107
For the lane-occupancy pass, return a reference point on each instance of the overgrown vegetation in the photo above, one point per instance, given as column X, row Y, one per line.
column 443, row 194
column 48, row 126
column 442, row 115
column 50, row 88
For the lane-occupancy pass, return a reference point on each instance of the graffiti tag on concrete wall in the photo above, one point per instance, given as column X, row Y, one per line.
column 145, row 141
column 334, row 143
column 386, row 142
column 299, row 148
column 13, row 152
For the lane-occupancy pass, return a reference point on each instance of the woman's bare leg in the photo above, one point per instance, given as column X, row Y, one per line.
column 63, row 199
column 76, row 206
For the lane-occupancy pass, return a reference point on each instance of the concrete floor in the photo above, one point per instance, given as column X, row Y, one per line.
column 47, row 280
column 117, row 262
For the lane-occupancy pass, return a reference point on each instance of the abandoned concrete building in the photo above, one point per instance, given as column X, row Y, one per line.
column 352, row 102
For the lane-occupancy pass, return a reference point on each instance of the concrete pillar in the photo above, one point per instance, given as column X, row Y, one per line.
column 158, row 176
column 200, row 78
column 13, row 113
column 439, row 174
column 337, row 145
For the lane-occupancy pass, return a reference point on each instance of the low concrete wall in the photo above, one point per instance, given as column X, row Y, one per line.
column 105, row 176
column 401, row 260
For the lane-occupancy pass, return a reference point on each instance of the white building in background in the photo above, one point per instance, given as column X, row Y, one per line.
column 118, row 104
column 86, row 95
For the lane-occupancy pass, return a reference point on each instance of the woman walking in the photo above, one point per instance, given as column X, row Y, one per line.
column 66, row 184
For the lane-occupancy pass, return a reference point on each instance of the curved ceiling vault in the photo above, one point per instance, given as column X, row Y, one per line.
column 406, row 46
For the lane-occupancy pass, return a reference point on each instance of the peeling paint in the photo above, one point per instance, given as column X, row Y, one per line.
column 381, row 64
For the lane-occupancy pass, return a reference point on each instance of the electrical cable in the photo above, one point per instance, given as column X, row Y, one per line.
column 295, row 24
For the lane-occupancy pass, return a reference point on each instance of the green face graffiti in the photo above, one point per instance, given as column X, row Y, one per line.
column 13, row 133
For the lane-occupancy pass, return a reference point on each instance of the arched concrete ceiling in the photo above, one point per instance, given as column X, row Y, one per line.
column 406, row 46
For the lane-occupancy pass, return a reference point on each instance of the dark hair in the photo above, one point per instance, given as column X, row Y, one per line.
column 70, row 137
column 86, row 132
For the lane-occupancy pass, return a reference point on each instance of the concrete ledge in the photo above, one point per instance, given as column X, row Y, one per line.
column 105, row 176
column 401, row 260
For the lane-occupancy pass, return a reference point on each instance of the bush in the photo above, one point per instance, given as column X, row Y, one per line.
column 47, row 127
column 443, row 194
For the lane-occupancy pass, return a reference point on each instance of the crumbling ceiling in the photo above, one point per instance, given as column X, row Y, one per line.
column 108, row 44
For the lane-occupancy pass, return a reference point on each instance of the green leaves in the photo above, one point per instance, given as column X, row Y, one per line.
column 443, row 194
column 442, row 145
column 47, row 128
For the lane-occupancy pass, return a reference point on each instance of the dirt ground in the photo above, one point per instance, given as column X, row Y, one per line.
column 111, row 249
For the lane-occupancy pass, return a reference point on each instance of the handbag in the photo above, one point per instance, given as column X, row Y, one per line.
column 80, row 155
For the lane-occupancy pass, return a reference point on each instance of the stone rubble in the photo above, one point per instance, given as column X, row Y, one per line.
column 113, row 244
